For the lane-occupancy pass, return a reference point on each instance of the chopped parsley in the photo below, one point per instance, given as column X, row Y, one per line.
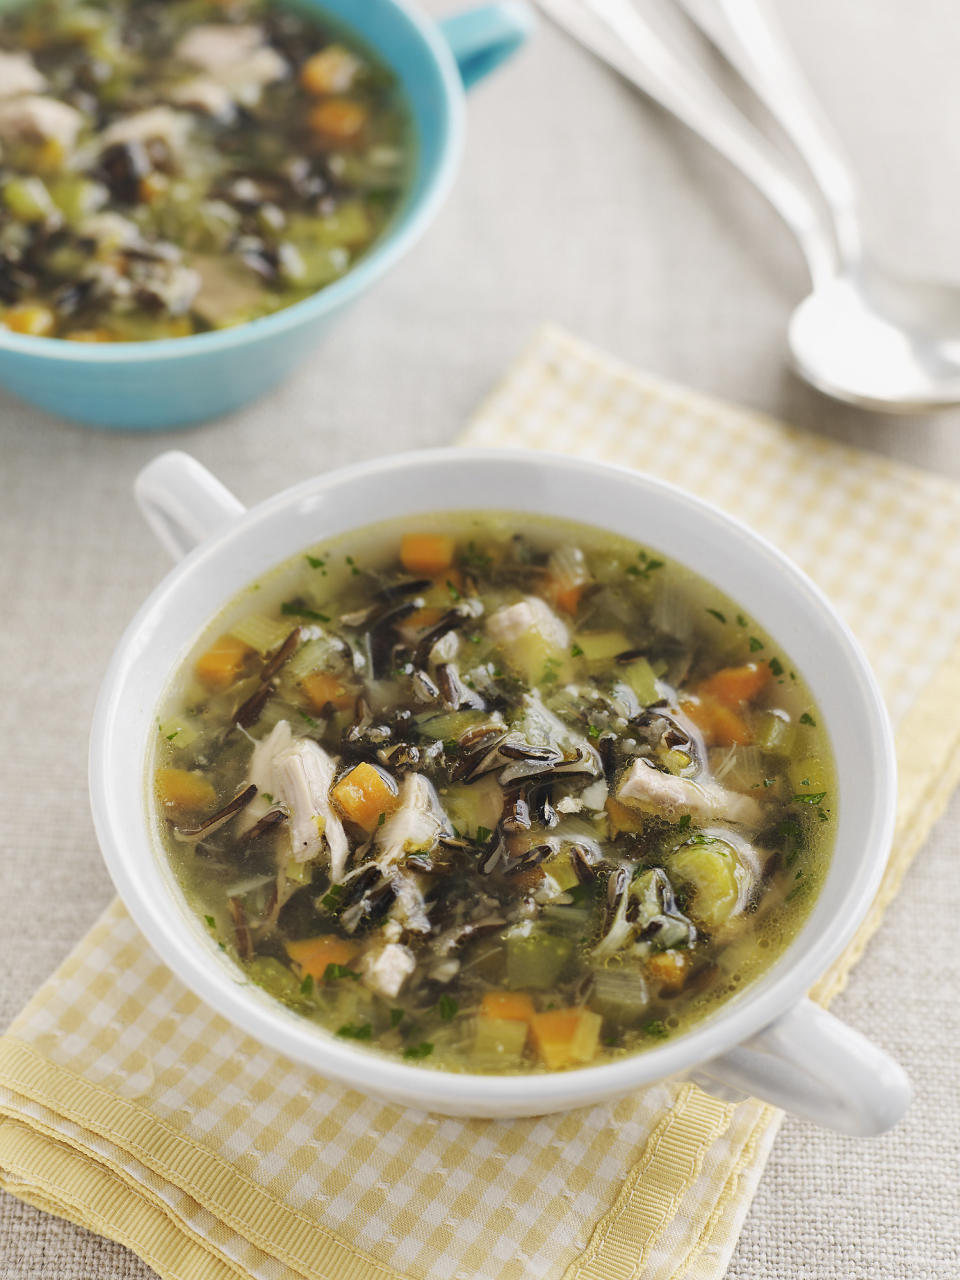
column 353, row 566
column 416, row 1051
column 171, row 736
column 718, row 615
column 210, row 921
column 755, row 644
column 334, row 971
column 807, row 718
column 455, row 595
column 656, row 1028
column 358, row 1031
column 306, row 986
column 314, row 724
column 576, row 651
column 483, row 835
column 448, row 1007
column 810, row 798
column 684, row 822
column 776, row 666
column 741, row 620
column 316, row 562
column 593, row 732
column 474, row 558
column 293, row 609
column 332, row 898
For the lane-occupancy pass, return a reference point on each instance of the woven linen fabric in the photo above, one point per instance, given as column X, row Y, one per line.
column 128, row 1106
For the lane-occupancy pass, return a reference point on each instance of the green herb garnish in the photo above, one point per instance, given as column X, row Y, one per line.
column 807, row 718
column 210, row 921
column 810, row 798
column 455, row 595
column 306, row 986
column 755, row 644
column 316, row 562
column 396, row 1017
column 448, row 1007
column 334, row 971
column 684, row 822
column 171, row 736
column 421, row 1050
column 331, row 899
column 776, row 666
column 718, row 615
column 314, row 724
column 576, row 651
column 483, row 835
column 361, row 1031
column 656, row 1028
column 295, row 610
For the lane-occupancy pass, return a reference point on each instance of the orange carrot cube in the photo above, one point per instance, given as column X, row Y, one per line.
column 513, row 1006
column 312, row 955
column 427, row 553
column 364, row 794
column 222, row 663
column 181, row 791
column 566, row 1037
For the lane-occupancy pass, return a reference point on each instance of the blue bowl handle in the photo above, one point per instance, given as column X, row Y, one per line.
column 482, row 38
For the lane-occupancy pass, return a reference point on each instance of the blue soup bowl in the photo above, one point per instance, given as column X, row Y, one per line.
column 147, row 386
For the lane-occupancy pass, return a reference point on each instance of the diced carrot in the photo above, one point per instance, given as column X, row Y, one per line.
column 622, row 818
column 568, row 598
column 735, row 685
column 182, row 791
column 223, row 662
column 332, row 70
column 565, row 1037
column 720, row 725
column 32, row 318
column 421, row 619
column 516, row 1006
column 364, row 794
column 339, row 119
column 427, row 553
column 321, row 688
column 669, row 968
column 312, row 955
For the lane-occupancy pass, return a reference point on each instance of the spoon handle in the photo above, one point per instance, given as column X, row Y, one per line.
column 617, row 33
column 750, row 38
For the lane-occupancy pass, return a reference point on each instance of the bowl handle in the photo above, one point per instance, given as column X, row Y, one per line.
column 480, row 39
column 815, row 1066
column 182, row 502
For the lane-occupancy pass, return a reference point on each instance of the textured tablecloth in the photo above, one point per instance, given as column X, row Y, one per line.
column 580, row 204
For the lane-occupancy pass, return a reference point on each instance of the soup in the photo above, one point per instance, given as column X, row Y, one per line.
column 174, row 166
column 493, row 793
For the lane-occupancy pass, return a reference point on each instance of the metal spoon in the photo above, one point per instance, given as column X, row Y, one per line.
column 863, row 335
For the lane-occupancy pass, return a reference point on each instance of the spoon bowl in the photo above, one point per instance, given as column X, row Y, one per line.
column 872, row 339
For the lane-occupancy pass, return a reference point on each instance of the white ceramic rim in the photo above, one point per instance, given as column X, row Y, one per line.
column 133, row 856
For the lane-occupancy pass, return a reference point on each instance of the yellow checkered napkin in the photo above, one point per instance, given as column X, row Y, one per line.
column 129, row 1107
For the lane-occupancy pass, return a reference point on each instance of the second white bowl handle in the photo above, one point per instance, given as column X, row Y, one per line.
column 815, row 1066
column 182, row 502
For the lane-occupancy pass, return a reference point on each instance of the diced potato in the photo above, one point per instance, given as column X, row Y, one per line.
column 602, row 646
column 566, row 1037
column 364, row 794
column 561, row 869
column 622, row 818
column 710, row 869
column 183, row 791
column 669, row 968
column 427, row 553
column 312, row 955
column 513, row 1005
column 223, row 662
column 499, row 1042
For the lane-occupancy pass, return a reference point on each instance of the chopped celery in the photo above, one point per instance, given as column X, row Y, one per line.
column 499, row 1042
column 710, row 868
column 471, row 807
column 642, row 680
column 537, row 960
column 620, row 995
column 316, row 654
column 28, row 199
column 298, row 872
column 775, row 732
column 452, row 725
column 275, row 978
column 601, row 646
column 261, row 632
column 573, row 917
